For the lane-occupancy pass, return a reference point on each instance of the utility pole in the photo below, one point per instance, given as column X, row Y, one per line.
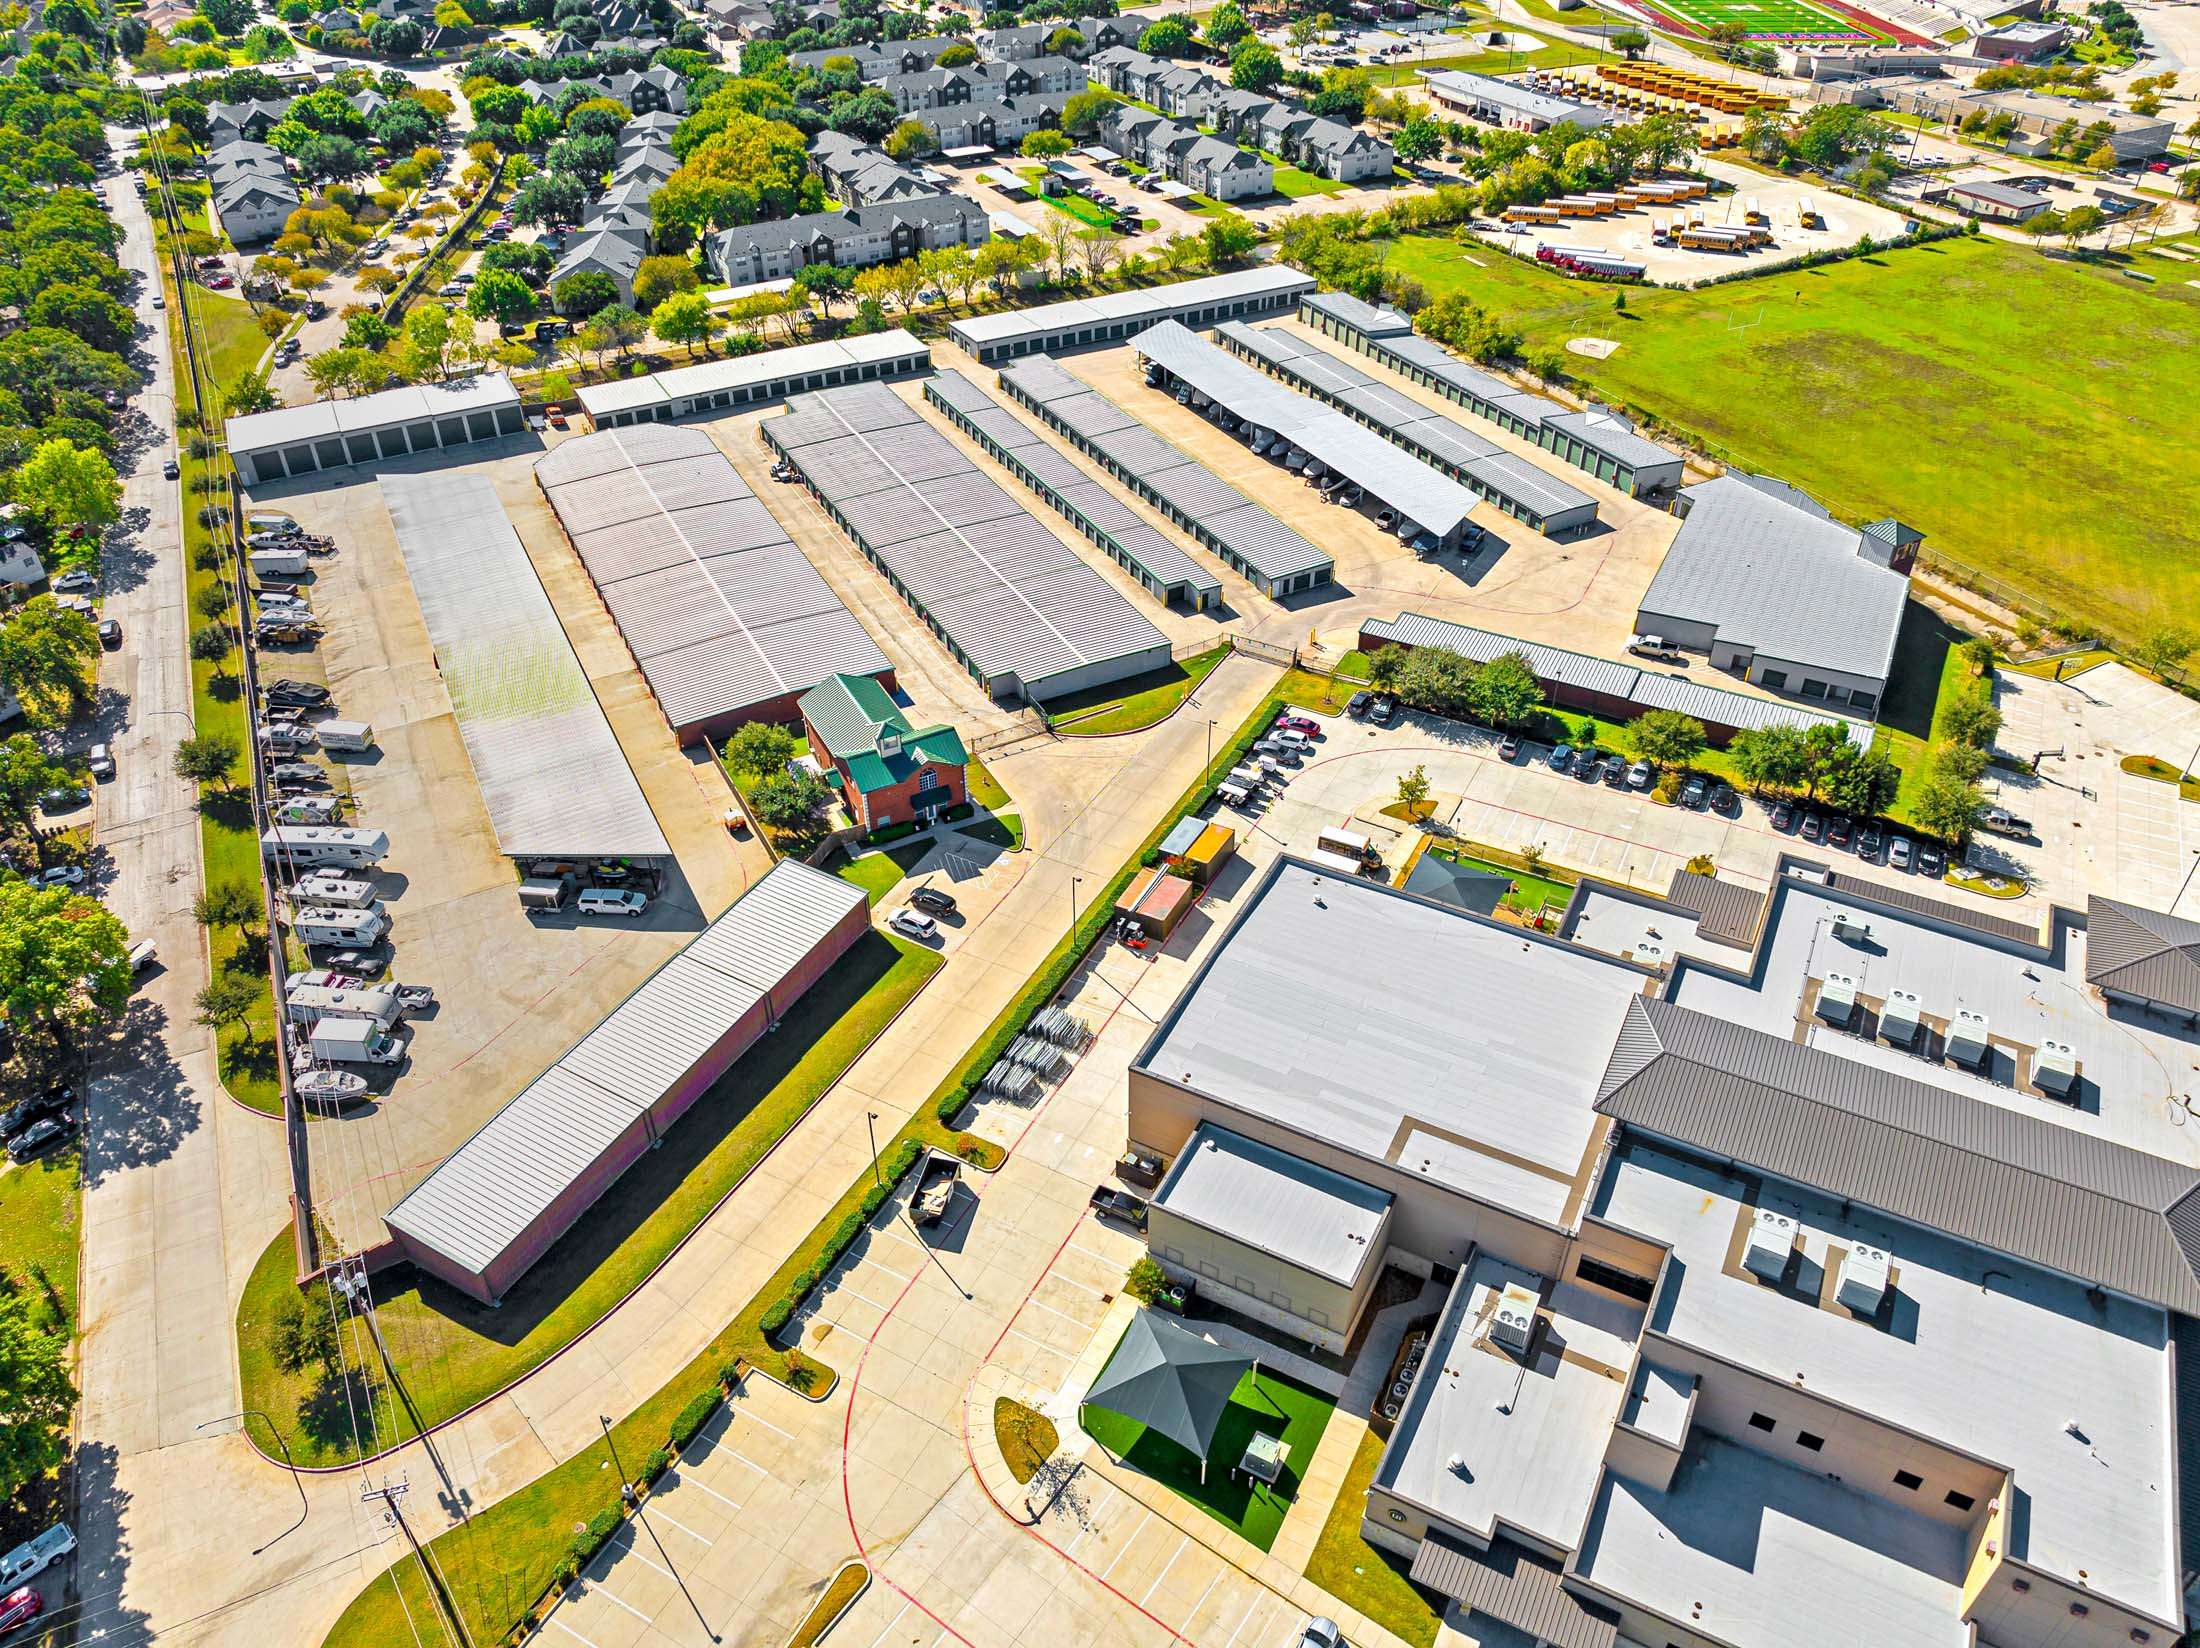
column 389, row 1494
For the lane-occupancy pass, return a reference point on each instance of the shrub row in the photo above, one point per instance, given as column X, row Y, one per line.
column 591, row 1538
column 693, row 1417
column 844, row 1234
column 909, row 826
column 1926, row 234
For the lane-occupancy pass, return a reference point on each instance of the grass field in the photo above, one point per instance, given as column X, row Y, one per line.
column 879, row 873
column 38, row 1233
column 1294, row 184
column 454, row 1351
column 1268, row 1403
column 1529, row 894
column 1362, row 1575
column 1771, row 19
column 1133, row 705
column 1550, row 54
column 1982, row 392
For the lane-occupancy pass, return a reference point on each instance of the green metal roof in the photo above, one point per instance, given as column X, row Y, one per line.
column 851, row 713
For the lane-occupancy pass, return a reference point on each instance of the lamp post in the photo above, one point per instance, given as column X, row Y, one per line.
column 291, row 1464
column 1074, row 882
column 1208, row 770
column 870, row 1126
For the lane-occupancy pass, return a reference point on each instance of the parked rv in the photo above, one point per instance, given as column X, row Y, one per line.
column 311, row 846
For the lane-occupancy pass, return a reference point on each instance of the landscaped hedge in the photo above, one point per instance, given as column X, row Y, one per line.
column 909, row 826
column 693, row 1417
column 776, row 1314
column 1926, row 234
column 591, row 1538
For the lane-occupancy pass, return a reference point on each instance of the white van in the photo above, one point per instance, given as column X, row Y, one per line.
column 34, row 1556
column 324, row 924
column 310, row 846
column 267, row 521
column 345, row 735
column 277, row 563
column 311, row 1003
column 337, row 892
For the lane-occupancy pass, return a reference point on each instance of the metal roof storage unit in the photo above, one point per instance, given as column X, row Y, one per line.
column 1011, row 601
column 751, row 380
column 300, row 440
column 551, row 772
column 1262, row 289
column 498, row 1202
column 1250, row 540
column 727, row 619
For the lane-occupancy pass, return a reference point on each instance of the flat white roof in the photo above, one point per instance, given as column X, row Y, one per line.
column 1301, row 1212
column 1993, row 1357
column 1154, row 302
column 408, row 403
column 747, row 371
column 1519, row 1026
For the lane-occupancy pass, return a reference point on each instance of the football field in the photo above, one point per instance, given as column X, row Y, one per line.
column 1772, row 19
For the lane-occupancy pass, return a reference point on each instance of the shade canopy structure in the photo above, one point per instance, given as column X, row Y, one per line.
column 1170, row 1380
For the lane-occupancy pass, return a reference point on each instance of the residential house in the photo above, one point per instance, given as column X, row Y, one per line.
column 862, row 174
column 888, row 771
column 854, row 238
column 1036, row 74
column 1103, row 32
column 1010, row 45
column 226, row 123
column 934, row 88
column 993, row 123
column 368, row 102
column 251, row 191
column 649, row 91
column 651, row 164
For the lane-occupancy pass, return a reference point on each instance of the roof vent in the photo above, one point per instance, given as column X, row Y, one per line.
column 1898, row 1019
column 1847, row 925
column 1514, row 1322
column 2055, row 1070
column 1863, row 1281
column 1771, row 1242
column 1837, row 999
column 1967, row 1037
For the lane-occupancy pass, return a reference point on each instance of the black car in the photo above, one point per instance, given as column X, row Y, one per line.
column 1615, row 774
column 1869, row 843
column 1356, row 705
column 932, row 901
column 64, row 798
column 1932, row 860
column 1695, row 794
column 1589, row 768
column 38, row 1107
column 42, row 1136
column 1382, row 709
column 1111, row 1203
column 1724, row 800
column 307, row 692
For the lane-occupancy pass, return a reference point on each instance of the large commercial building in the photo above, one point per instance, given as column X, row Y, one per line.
column 1008, row 599
column 1598, row 441
column 1776, row 590
column 496, row 1205
column 1816, row 1278
column 1517, row 108
column 752, row 380
column 393, row 423
column 728, row 620
column 1248, row 539
column 1264, row 289
column 550, row 769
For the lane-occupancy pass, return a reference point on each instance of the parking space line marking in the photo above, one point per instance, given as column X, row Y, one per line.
column 1203, row 1595
column 1246, row 1618
column 559, row 1621
column 889, row 1625
column 1182, row 1540
column 1074, row 1321
column 634, row 1550
column 659, row 1510
column 851, row 1293
column 768, row 1425
column 1093, row 1515
column 746, row 1460
column 687, row 1481
column 598, row 1588
column 1127, row 1544
column 1041, row 1343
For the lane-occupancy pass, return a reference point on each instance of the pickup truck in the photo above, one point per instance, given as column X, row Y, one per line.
column 1111, row 1203
column 1656, row 648
column 2001, row 821
column 935, row 1187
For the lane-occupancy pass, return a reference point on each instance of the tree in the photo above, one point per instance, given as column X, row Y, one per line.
column 304, row 1335
column 207, row 758
column 228, row 904
column 1506, row 692
column 1666, row 738
column 64, row 961
column 762, row 747
column 47, row 657
column 1226, row 26
column 333, row 159
column 1948, row 805
column 826, row 283
column 64, row 484
column 1413, row 788
column 685, row 318
column 1856, row 781
column 2081, row 221
column 231, row 17
column 1254, row 67
column 335, row 373
column 26, row 773
column 1085, row 110
column 1978, row 656
column 228, row 999
column 617, row 328
column 1383, row 667
column 550, row 197
column 1633, row 42
column 1771, row 758
column 1971, row 718
column 36, row 1396
column 426, row 346
column 1044, row 145
column 248, row 392
column 501, row 296
column 790, row 801
column 2164, row 651
column 957, row 55
column 585, row 291
column 87, row 312
column 529, row 259
column 1228, row 237
column 2102, row 158
column 1166, row 38
column 1418, row 139
column 911, row 140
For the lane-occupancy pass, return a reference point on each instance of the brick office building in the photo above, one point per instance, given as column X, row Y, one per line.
column 888, row 772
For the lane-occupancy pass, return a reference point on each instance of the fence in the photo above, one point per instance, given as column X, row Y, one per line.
column 406, row 290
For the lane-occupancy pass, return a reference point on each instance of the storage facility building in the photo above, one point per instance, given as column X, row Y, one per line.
column 417, row 417
column 550, row 769
column 1010, row 600
column 1597, row 440
column 1252, row 542
column 499, row 1201
column 1162, row 569
column 753, row 380
column 1424, row 498
column 1612, row 688
column 728, row 620
column 1522, row 489
column 1264, row 289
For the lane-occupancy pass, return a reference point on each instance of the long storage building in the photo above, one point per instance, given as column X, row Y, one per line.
column 1522, row 489
column 1265, row 289
column 752, row 380
column 1430, row 505
column 1249, row 540
column 416, row 417
column 550, row 769
column 1010, row 600
column 1162, row 570
column 499, row 1201
column 728, row 619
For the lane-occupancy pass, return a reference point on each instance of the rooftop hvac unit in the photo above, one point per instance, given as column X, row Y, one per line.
column 1863, row 1282
column 1837, row 999
column 1771, row 1242
column 2055, row 1069
column 1898, row 1019
column 1514, row 1323
column 1851, row 927
column 1967, row 1037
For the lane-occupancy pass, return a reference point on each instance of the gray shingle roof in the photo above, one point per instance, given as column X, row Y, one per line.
column 2143, row 953
column 2057, row 1196
column 1783, row 582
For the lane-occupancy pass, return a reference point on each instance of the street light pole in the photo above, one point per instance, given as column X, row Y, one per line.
column 296, row 1481
column 1207, row 771
column 870, row 1126
column 1074, row 882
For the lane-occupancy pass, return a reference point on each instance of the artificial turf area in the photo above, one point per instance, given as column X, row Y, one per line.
column 1263, row 1401
column 2031, row 415
column 1771, row 19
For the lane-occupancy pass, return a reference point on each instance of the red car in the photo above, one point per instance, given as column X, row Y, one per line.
column 20, row 1607
column 1299, row 723
column 557, row 417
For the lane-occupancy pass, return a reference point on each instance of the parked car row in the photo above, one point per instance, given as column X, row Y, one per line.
column 1868, row 840
column 37, row 1124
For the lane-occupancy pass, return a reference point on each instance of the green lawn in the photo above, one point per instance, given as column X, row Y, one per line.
column 1928, row 671
column 985, row 789
column 1530, row 892
column 1267, row 1403
column 1364, row 1576
column 1133, row 705
column 879, row 873
column 453, row 1351
column 1923, row 383
column 1089, row 212
column 1405, row 71
column 1294, row 184
column 1772, row 19
column 232, row 332
column 38, row 1232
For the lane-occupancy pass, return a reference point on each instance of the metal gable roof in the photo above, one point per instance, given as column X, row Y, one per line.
column 1515, row 1586
column 2145, row 953
column 2037, row 1190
